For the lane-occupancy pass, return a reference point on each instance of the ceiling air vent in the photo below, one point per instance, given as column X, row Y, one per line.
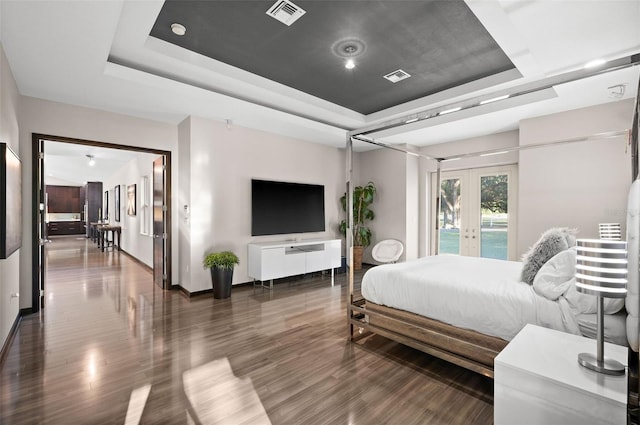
column 396, row 76
column 285, row 12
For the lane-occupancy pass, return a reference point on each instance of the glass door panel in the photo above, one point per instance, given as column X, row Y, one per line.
column 477, row 212
column 494, row 216
column 450, row 216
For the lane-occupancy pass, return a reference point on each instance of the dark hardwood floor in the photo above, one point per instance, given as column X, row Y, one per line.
column 109, row 348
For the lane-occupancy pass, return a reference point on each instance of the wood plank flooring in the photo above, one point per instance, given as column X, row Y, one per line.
column 109, row 348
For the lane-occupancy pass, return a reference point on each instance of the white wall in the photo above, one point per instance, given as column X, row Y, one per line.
column 223, row 161
column 53, row 118
column 576, row 185
column 135, row 244
column 395, row 177
column 9, row 133
column 184, row 198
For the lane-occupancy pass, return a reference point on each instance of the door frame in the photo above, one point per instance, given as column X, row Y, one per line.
column 37, row 269
column 469, row 177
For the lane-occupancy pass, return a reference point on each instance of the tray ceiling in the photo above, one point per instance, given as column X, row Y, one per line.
column 440, row 44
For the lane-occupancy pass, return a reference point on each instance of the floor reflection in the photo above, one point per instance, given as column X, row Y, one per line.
column 217, row 396
column 130, row 354
column 137, row 401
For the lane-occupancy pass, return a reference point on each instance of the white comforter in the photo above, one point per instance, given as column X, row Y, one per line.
column 481, row 294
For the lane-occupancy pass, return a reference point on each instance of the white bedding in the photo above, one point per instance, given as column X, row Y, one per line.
column 481, row 294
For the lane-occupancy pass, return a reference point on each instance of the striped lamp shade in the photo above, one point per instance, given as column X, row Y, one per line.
column 601, row 267
column 610, row 231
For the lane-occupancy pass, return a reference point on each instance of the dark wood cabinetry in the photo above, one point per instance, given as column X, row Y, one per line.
column 64, row 199
column 55, row 228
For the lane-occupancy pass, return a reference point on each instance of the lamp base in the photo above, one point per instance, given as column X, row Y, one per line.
column 606, row 366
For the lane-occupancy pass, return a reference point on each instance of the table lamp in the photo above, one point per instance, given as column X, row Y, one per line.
column 601, row 270
column 610, row 231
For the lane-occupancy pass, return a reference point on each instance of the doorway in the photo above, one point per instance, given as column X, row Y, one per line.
column 478, row 212
column 162, row 195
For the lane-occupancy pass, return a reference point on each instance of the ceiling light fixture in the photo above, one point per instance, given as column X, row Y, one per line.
column 349, row 49
column 594, row 63
column 494, row 153
column 494, row 99
column 178, row 29
column 448, row 111
column 92, row 161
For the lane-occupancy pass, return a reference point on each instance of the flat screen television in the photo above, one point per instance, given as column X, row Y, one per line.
column 281, row 207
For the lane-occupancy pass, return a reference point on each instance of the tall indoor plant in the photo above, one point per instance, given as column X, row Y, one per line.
column 363, row 197
column 221, row 265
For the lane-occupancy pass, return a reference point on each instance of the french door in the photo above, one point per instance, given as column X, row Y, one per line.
column 477, row 212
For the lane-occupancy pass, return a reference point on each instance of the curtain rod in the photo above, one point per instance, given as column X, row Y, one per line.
column 524, row 89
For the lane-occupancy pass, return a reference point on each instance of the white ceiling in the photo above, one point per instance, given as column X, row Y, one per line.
column 98, row 54
column 67, row 164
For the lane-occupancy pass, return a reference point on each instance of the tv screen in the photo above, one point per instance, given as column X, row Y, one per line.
column 281, row 207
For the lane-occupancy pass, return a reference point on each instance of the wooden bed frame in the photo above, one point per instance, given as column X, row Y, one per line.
column 469, row 349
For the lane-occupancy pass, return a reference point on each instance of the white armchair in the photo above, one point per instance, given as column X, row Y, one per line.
column 387, row 251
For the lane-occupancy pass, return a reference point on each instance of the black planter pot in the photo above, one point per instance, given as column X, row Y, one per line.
column 221, row 280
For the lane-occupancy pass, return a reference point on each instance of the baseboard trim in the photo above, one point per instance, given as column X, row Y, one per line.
column 188, row 294
column 12, row 334
column 145, row 266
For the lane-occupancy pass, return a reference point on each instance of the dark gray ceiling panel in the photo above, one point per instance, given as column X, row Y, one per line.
column 441, row 44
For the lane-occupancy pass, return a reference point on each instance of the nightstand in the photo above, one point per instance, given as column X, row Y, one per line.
column 538, row 380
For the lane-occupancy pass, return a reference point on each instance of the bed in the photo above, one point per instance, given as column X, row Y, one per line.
column 465, row 310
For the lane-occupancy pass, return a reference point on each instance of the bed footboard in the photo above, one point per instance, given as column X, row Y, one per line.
column 466, row 348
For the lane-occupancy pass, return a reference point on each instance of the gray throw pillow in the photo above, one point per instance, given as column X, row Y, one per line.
column 552, row 242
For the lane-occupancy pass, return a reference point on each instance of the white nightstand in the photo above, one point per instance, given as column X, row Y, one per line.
column 538, row 381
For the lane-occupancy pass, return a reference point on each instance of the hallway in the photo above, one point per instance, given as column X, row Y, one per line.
column 108, row 348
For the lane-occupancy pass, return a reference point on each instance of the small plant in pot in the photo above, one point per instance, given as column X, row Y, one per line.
column 221, row 265
column 363, row 197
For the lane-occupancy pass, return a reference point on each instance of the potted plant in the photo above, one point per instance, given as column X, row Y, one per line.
column 221, row 265
column 363, row 197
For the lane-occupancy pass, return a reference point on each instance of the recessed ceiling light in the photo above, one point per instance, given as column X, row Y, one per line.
column 594, row 63
column 448, row 111
column 178, row 29
column 494, row 153
column 349, row 64
column 494, row 99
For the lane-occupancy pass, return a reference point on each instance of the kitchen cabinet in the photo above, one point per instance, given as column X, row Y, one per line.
column 55, row 228
column 64, row 199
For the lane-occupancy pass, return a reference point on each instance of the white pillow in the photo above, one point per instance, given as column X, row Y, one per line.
column 555, row 276
column 585, row 303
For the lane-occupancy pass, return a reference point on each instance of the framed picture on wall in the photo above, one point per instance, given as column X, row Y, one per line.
column 105, row 215
column 10, row 202
column 131, row 199
column 116, row 200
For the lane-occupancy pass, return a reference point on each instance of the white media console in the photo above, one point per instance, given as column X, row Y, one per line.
column 273, row 260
